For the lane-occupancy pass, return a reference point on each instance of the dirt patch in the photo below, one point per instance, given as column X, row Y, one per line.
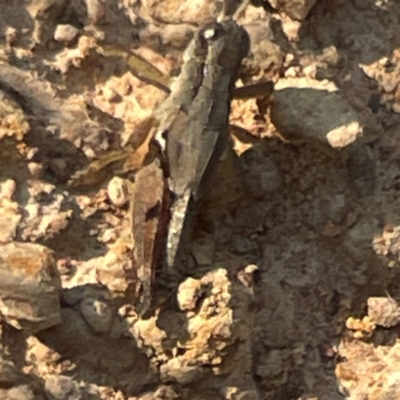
column 296, row 239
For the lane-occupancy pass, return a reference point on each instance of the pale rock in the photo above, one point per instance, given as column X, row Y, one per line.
column 65, row 33
column 112, row 272
column 9, row 220
column 35, row 169
column 110, row 94
column 188, row 294
column 54, row 223
column 388, row 243
column 291, row 28
column 13, row 121
column 117, row 191
column 10, row 213
column 7, row 189
column 384, row 311
column 149, row 334
column 32, row 210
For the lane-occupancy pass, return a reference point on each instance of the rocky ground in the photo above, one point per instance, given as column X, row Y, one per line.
column 295, row 295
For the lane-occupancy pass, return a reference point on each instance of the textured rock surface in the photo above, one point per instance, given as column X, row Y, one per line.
column 314, row 110
column 297, row 9
column 296, row 285
column 30, row 287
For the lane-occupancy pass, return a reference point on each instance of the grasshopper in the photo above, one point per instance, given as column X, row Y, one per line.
column 192, row 132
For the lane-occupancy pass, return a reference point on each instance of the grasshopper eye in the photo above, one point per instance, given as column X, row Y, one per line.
column 213, row 32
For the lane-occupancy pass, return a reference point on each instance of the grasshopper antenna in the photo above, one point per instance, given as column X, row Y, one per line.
column 236, row 15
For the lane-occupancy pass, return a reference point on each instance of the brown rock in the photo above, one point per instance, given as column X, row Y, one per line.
column 315, row 111
column 29, row 287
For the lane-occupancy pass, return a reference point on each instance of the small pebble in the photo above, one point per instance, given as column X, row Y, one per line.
column 7, row 189
column 188, row 294
column 65, row 33
column 117, row 191
column 35, row 169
